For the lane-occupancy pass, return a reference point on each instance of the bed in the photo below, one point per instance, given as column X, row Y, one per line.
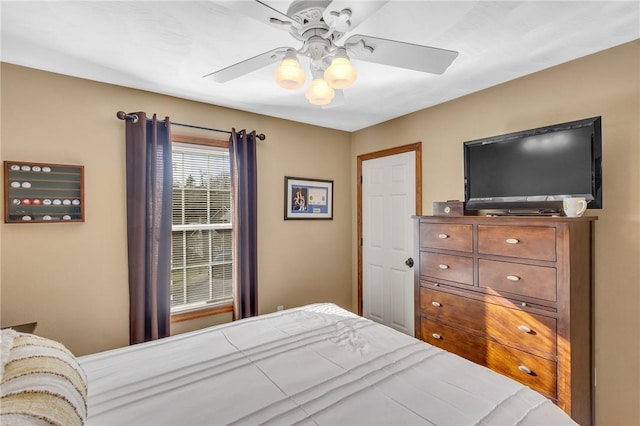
column 317, row 364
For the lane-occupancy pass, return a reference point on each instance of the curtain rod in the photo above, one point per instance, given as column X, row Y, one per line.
column 123, row 116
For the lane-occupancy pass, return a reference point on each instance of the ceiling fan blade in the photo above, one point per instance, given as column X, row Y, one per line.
column 248, row 65
column 403, row 55
column 360, row 10
column 255, row 9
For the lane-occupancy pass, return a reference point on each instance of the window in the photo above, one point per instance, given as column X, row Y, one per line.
column 201, row 254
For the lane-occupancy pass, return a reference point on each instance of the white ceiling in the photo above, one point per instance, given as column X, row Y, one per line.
column 168, row 46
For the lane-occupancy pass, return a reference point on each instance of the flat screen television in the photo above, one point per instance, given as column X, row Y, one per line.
column 534, row 170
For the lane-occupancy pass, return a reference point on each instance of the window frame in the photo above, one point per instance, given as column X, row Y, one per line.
column 203, row 311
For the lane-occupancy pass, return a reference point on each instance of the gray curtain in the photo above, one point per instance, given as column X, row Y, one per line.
column 149, row 180
column 244, row 182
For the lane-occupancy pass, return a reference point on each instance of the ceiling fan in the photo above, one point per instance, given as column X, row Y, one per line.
column 321, row 26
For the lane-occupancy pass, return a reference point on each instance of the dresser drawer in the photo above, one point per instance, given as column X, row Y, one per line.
column 514, row 327
column 525, row 280
column 447, row 267
column 535, row 372
column 532, row 242
column 446, row 236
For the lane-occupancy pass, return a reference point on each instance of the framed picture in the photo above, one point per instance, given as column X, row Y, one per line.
column 308, row 198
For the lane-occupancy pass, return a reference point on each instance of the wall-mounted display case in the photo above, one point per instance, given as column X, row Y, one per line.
column 43, row 193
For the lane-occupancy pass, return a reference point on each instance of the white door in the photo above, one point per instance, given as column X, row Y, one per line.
column 388, row 202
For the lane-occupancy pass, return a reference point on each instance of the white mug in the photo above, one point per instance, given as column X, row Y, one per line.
column 574, row 206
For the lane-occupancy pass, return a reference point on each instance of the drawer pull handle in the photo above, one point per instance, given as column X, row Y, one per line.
column 436, row 285
column 524, row 328
column 437, row 336
column 443, row 266
column 436, row 304
column 443, row 236
column 513, row 278
column 512, row 241
column 524, row 369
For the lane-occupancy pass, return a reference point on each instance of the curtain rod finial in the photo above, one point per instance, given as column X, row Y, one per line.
column 261, row 136
column 123, row 116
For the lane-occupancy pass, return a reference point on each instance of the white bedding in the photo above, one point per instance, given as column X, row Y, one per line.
column 317, row 364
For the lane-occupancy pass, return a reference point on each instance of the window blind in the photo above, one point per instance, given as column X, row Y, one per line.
column 201, row 256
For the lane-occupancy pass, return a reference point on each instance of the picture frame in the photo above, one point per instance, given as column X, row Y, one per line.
column 307, row 198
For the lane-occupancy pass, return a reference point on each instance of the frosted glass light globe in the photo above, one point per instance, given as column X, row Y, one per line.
column 340, row 75
column 289, row 75
column 319, row 93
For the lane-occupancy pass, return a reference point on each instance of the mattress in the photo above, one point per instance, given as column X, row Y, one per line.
column 317, row 364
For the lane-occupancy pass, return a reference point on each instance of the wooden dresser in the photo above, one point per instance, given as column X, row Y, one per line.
column 514, row 294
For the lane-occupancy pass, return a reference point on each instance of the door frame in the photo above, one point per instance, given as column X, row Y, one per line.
column 414, row 147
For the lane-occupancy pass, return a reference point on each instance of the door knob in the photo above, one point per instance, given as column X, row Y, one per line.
column 409, row 262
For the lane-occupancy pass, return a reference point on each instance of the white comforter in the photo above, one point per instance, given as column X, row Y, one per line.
column 318, row 364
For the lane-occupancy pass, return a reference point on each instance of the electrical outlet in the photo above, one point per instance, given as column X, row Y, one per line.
column 280, row 308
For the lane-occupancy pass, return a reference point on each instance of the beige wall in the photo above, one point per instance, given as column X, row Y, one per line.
column 606, row 84
column 72, row 277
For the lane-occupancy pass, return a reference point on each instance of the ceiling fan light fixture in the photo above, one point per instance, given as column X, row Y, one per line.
column 289, row 75
column 319, row 93
column 340, row 74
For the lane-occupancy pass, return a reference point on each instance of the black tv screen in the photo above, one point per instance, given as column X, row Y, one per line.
column 535, row 169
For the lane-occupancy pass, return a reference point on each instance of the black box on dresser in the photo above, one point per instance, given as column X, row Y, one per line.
column 451, row 208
